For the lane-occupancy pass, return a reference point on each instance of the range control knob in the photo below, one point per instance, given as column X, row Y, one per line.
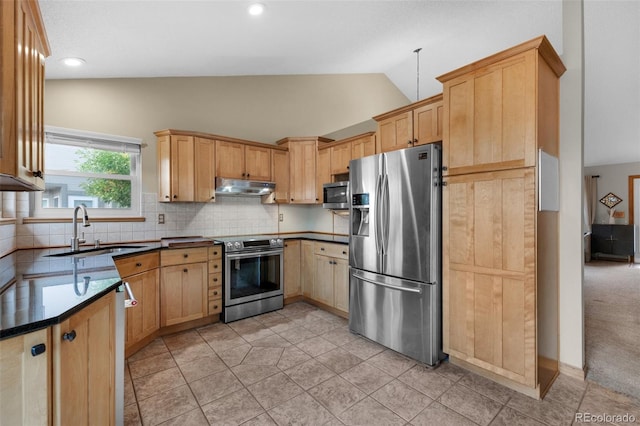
column 229, row 245
column 237, row 245
column 272, row 242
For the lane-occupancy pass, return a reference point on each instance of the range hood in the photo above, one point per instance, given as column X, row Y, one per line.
column 242, row 187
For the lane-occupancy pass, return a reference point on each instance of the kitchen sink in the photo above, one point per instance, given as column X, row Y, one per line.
column 95, row 251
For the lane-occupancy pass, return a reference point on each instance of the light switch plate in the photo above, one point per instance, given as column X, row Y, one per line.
column 161, row 218
column 281, row 217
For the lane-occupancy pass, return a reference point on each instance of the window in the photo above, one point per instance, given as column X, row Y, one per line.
column 98, row 170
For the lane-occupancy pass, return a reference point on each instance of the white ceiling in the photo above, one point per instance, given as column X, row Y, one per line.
column 153, row 38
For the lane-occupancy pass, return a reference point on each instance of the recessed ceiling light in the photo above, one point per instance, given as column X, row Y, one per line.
column 73, row 62
column 256, row 9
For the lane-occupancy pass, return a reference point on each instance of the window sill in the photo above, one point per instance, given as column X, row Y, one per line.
column 91, row 219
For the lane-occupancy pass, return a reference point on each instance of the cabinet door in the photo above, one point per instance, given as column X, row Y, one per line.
column 492, row 117
column 257, row 163
column 489, row 306
column 363, row 147
column 24, row 380
column 280, row 167
column 340, row 157
column 307, row 273
column 84, row 366
column 341, row 284
column 205, row 169
column 183, row 293
column 302, row 179
column 292, row 268
column 182, row 168
column 144, row 318
column 396, row 132
column 323, row 171
column 427, row 123
column 163, row 149
column 230, row 160
column 323, row 284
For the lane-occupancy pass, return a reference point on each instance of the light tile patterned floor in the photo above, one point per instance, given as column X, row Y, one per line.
column 301, row 365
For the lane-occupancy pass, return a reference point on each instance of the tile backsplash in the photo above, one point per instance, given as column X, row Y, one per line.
column 227, row 216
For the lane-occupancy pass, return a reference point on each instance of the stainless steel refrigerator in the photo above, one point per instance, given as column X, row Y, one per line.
column 395, row 288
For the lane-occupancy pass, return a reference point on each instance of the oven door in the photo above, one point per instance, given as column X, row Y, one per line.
column 252, row 276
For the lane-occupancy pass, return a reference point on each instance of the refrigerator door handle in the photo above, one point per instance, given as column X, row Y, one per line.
column 393, row 287
column 378, row 218
column 386, row 214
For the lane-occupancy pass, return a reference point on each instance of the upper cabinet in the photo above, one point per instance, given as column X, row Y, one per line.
column 303, row 187
column 243, row 161
column 499, row 111
column 24, row 47
column 333, row 158
column 186, row 170
column 416, row 124
column 280, row 167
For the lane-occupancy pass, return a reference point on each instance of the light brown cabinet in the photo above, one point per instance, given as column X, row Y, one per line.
column 243, row 161
column 142, row 321
column 416, row 124
column 340, row 157
column 186, row 170
column 280, row 168
column 24, row 47
column 292, row 270
column 331, row 282
column 303, row 180
column 25, row 383
column 84, row 366
column 183, row 285
column 363, row 145
column 214, row 286
column 500, row 268
column 323, row 172
column 307, row 268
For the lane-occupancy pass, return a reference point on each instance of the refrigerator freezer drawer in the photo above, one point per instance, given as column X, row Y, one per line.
column 399, row 314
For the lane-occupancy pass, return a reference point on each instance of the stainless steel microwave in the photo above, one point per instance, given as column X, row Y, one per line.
column 335, row 195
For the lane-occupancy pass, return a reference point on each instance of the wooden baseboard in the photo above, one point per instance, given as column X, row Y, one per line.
column 293, row 299
column 327, row 308
column 571, row 371
column 518, row 387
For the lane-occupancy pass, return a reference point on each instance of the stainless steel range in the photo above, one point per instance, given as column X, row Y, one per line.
column 253, row 276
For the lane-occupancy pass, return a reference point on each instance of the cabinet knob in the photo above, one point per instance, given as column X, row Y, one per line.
column 213, row 197
column 215, row 306
column 215, row 280
column 415, row 141
column 70, row 336
column 344, row 252
column 38, row 349
column 321, row 248
column 215, row 266
column 175, row 196
column 138, row 264
column 248, row 175
column 445, row 168
column 37, row 174
column 215, row 293
column 409, row 142
column 185, row 255
column 243, row 174
column 185, row 270
column 317, row 199
column 166, row 196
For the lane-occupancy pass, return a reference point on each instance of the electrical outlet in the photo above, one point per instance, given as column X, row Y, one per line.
column 281, row 217
column 161, row 218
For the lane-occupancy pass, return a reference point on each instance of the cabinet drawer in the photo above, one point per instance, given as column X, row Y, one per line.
column 182, row 256
column 340, row 251
column 215, row 293
column 215, row 266
column 215, row 280
column 215, row 307
column 215, row 252
column 132, row 265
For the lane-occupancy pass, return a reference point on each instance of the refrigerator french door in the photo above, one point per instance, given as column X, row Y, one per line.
column 395, row 251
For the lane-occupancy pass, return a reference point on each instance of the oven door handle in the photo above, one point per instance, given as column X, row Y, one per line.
column 245, row 255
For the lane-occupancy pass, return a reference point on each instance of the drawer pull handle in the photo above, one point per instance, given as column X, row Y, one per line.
column 138, row 264
column 38, row 349
column 70, row 336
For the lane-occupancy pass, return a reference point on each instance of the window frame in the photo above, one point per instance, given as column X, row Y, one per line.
column 93, row 140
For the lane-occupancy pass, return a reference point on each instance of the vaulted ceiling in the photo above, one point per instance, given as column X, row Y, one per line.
column 153, row 38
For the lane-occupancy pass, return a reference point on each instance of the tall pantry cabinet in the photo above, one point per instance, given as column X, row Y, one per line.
column 500, row 252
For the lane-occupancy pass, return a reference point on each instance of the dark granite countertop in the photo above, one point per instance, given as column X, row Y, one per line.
column 37, row 291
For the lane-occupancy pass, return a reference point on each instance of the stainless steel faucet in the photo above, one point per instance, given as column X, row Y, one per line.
column 75, row 241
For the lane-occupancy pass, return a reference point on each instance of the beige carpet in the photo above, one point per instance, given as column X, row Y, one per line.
column 612, row 325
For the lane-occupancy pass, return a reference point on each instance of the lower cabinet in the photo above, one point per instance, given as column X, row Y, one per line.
column 307, row 268
column 214, row 287
column 183, row 294
column 142, row 320
column 331, row 284
column 84, row 366
column 292, row 277
column 25, row 385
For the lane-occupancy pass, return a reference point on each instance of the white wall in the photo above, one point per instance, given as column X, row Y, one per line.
column 571, row 160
